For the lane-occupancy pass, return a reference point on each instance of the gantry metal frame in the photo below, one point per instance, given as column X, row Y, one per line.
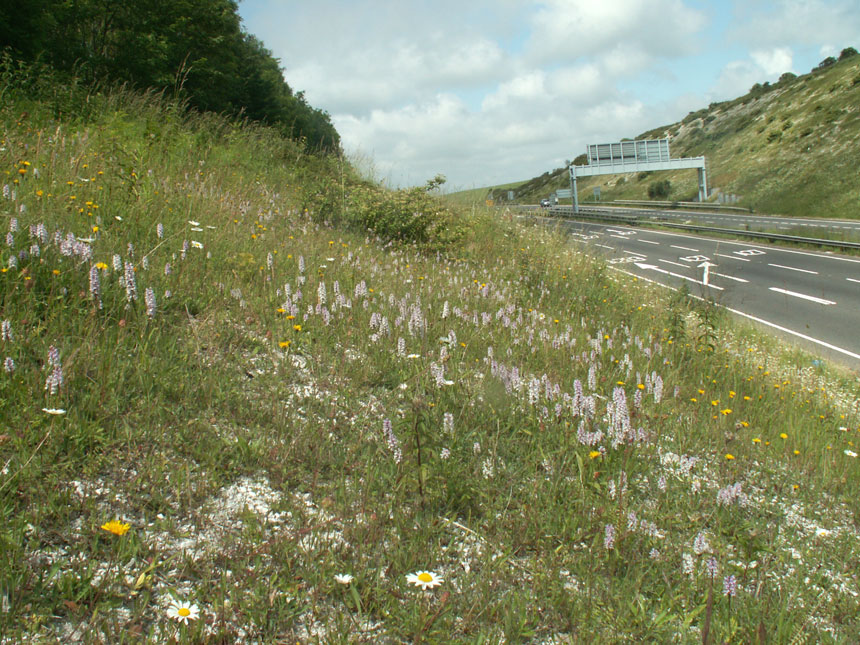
column 645, row 155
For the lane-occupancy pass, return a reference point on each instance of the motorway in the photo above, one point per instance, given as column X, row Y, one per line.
column 809, row 227
column 813, row 298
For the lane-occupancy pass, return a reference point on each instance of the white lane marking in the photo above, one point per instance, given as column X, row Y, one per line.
column 632, row 253
column 620, row 237
column 852, row 280
column 730, row 277
column 677, row 264
column 782, row 266
column 820, row 301
column 650, row 242
column 753, row 318
column 695, row 258
column 676, row 275
column 683, row 248
column 732, row 257
column 773, row 249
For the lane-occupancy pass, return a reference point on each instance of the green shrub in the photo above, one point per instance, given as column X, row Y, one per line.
column 408, row 215
column 660, row 189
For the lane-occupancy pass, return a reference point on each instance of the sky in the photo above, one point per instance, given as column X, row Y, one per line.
column 488, row 92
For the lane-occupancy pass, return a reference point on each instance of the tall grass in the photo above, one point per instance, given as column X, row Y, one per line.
column 578, row 458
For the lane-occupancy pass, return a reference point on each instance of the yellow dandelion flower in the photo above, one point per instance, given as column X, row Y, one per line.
column 729, row 456
column 297, row 327
column 782, row 435
column 756, row 440
column 284, row 344
column 116, row 527
column 594, row 454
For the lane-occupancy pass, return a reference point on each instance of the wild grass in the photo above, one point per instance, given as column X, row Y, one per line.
column 577, row 457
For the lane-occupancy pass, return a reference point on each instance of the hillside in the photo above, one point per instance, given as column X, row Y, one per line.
column 250, row 397
column 791, row 148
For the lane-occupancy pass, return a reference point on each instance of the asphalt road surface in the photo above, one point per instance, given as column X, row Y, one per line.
column 808, row 227
column 814, row 298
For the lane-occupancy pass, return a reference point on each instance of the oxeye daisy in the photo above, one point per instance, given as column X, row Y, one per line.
column 183, row 611
column 425, row 579
column 343, row 578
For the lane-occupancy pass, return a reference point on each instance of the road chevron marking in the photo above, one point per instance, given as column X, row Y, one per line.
column 820, row 301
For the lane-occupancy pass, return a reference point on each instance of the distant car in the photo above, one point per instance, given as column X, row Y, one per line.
column 545, row 203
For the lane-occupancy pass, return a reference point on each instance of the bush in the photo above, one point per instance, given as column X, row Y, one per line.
column 409, row 215
column 660, row 189
column 827, row 62
column 848, row 52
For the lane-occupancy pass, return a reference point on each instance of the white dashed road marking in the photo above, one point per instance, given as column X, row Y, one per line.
column 780, row 266
column 820, row 301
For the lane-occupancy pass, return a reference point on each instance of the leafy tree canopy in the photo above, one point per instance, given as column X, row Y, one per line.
column 195, row 49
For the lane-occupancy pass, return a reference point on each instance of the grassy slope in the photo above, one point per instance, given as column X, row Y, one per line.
column 479, row 195
column 792, row 150
column 560, row 434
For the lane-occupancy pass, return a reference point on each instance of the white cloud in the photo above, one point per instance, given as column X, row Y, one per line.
column 397, row 72
column 773, row 62
column 622, row 33
column 834, row 23
column 737, row 77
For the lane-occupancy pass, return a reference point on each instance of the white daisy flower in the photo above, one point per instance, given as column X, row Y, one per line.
column 183, row 611
column 343, row 578
column 196, row 245
column 56, row 411
column 425, row 579
column 193, row 223
column 850, row 453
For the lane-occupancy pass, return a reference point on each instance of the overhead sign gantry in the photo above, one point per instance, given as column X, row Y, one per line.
column 644, row 155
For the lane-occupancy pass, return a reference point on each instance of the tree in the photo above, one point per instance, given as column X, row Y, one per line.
column 827, row 62
column 195, row 49
column 846, row 53
column 660, row 189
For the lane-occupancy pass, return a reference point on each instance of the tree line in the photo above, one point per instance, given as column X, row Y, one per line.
column 195, row 49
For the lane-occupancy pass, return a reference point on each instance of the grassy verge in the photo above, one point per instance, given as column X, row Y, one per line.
column 286, row 414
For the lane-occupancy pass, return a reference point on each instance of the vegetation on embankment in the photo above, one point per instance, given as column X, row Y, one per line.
column 247, row 396
column 790, row 148
column 195, row 50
